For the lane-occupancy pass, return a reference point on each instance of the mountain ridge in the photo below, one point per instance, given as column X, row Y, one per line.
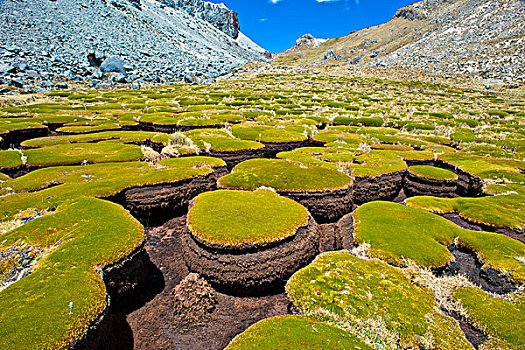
column 47, row 42
column 478, row 38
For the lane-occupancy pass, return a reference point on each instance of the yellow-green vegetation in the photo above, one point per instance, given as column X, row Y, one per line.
column 244, row 218
column 496, row 211
column 53, row 307
column 10, row 159
column 96, row 180
column 101, row 152
column 374, row 301
column 117, row 136
column 484, row 167
column 284, row 175
column 267, row 133
column 220, row 140
column 400, row 232
column 433, row 173
column 292, row 332
column 353, row 162
column 384, row 124
column 503, row 320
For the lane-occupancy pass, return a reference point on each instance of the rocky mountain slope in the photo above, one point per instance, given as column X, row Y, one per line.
column 484, row 38
column 48, row 42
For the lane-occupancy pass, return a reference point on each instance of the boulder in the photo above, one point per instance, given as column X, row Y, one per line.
column 113, row 64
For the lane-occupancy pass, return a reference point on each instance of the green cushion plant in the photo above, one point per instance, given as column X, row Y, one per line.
column 284, row 175
column 496, row 211
column 432, row 173
column 402, row 232
column 54, row 306
column 244, row 218
column 293, row 332
column 375, row 301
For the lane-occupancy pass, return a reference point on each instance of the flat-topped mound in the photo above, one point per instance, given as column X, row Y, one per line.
column 433, row 173
column 264, row 133
column 373, row 300
column 53, row 307
column 233, row 219
column 292, row 332
column 284, row 175
column 495, row 211
column 396, row 232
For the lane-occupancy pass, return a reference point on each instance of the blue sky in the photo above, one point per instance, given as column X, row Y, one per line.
column 276, row 24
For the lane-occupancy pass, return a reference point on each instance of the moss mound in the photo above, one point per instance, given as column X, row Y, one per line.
column 283, row 175
column 497, row 211
column 433, row 173
column 53, row 186
column 244, row 218
column 102, row 152
column 265, row 133
column 292, row 332
column 400, row 232
column 53, row 306
column 373, row 300
column 502, row 320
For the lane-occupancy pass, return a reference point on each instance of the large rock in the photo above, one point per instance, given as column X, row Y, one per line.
column 113, row 64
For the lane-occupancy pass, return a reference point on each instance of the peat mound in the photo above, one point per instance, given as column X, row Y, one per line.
column 154, row 204
column 430, row 181
column 225, row 245
column 373, row 188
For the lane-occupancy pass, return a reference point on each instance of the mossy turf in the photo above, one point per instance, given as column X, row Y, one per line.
column 293, row 332
column 354, row 162
column 432, row 173
column 396, row 232
column 67, row 154
column 10, row 159
column 53, row 307
column 496, row 211
column 220, row 140
column 117, row 136
column 244, row 218
column 502, row 320
column 68, row 183
column 374, row 301
column 284, row 175
column 267, row 133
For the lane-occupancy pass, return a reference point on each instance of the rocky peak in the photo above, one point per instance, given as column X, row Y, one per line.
column 218, row 15
column 308, row 40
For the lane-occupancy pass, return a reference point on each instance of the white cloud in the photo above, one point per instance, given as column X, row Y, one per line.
column 274, row 1
column 263, row 19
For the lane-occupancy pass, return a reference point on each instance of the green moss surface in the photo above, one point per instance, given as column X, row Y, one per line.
column 433, row 173
column 10, row 159
column 283, row 175
column 373, row 300
column 102, row 152
column 120, row 136
column 35, row 311
column 400, row 232
column 496, row 211
column 221, row 141
column 267, row 133
column 502, row 320
column 244, row 217
column 96, row 180
column 292, row 332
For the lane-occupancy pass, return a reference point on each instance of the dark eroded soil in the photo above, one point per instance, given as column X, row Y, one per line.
column 156, row 326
